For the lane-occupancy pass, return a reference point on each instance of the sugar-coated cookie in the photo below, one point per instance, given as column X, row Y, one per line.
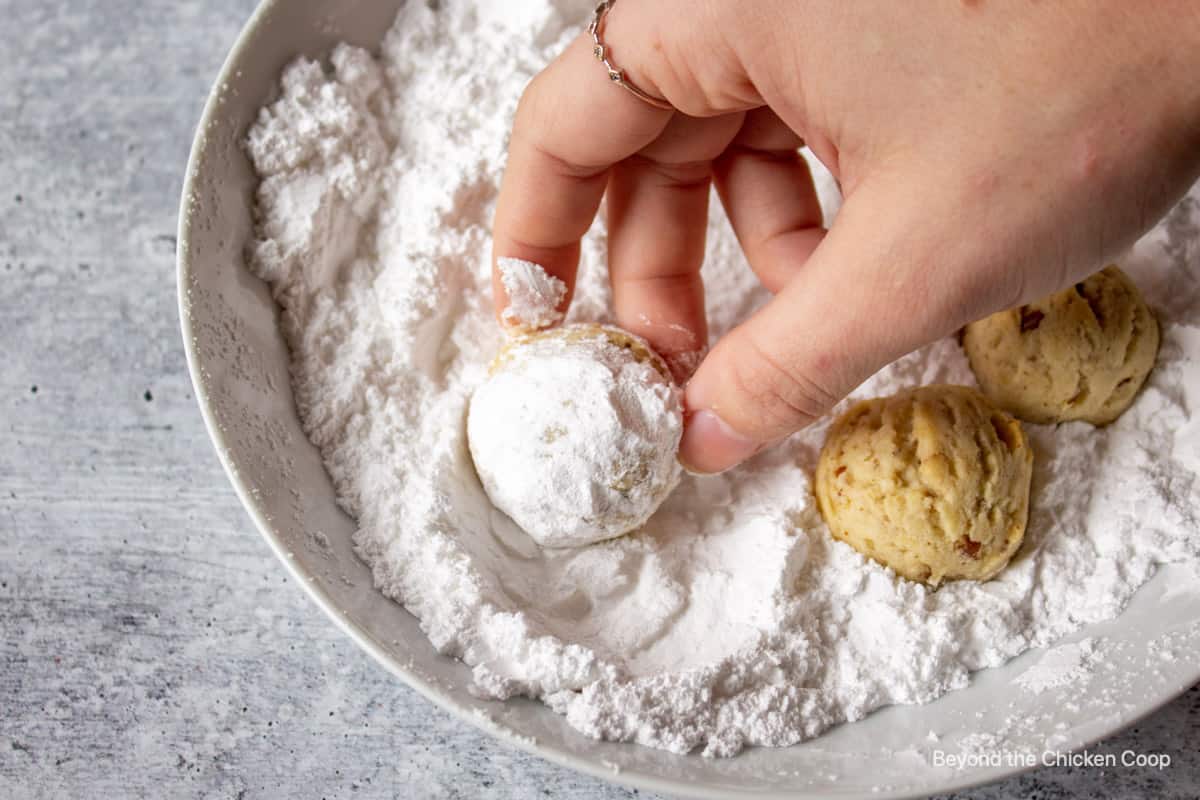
column 575, row 433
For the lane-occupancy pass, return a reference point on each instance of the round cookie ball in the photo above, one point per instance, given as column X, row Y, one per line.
column 575, row 433
column 932, row 482
column 1081, row 354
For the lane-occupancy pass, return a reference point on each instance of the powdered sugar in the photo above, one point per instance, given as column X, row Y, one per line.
column 731, row 618
column 1060, row 666
column 533, row 295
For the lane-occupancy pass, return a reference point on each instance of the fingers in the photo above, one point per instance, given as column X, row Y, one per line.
column 657, row 220
column 571, row 126
column 880, row 285
column 768, row 193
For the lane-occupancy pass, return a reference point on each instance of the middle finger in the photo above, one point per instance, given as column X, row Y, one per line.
column 657, row 221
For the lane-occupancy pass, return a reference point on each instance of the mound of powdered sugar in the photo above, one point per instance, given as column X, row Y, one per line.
column 731, row 618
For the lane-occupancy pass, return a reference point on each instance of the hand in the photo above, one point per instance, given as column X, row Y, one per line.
column 989, row 152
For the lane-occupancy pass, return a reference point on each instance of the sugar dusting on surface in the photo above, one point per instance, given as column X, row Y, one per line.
column 731, row 618
column 1065, row 664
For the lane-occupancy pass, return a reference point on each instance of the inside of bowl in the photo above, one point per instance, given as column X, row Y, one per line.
column 240, row 364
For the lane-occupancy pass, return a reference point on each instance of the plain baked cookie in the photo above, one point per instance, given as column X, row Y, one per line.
column 1081, row 354
column 932, row 482
column 575, row 432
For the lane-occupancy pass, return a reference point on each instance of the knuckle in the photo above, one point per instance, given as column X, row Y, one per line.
column 563, row 168
column 677, row 82
column 694, row 67
column 783, row 397
column 1012, row 291
column 679, row 175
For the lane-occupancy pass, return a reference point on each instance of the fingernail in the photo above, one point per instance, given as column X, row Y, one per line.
column 710, row 446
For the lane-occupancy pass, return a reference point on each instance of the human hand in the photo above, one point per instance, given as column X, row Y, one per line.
column 989, row 153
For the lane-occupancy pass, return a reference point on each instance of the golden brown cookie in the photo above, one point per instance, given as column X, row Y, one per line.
column 1081, row 354
column 580, row 333
column 932, row 482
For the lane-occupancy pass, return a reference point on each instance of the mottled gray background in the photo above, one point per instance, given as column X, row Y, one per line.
column 150, row 645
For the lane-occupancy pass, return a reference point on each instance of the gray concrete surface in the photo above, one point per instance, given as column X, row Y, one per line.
column 150, row 645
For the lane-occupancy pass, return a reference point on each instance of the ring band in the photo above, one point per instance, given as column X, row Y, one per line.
column 615, row 74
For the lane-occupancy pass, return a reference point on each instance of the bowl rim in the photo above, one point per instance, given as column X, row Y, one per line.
column 430, row 689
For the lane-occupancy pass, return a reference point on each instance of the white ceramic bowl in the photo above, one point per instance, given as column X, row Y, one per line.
column 238, row 363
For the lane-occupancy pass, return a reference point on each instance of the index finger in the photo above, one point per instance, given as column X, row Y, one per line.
column 572, row 125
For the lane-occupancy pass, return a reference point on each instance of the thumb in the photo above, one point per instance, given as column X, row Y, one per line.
column 881, row 284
